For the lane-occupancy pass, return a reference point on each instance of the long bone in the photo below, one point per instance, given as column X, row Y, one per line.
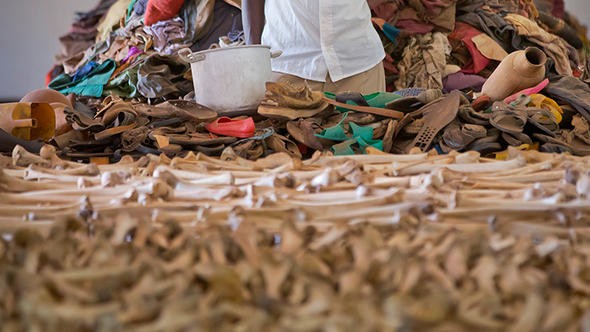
column 369, row 159
column 219, row 180
column 48, row 152
column 12, row 184
column 127, row 163
column 465, row 168
column 36, row 173
column 547, row 176
column 23, row 158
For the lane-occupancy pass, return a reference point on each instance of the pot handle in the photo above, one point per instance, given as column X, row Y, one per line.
column 188, row 56
column 275, row 54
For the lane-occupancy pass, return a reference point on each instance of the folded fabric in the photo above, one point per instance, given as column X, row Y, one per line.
column 555, row 47
column 83, row 72
column 489, row 47
column 139, row 7
column 492, row 24
column 167, row 36
column 462, row 36
column 423, row 61
column 130, row 10
column 389, row 30
column 91, row 85
column 113, row 17
column 460, row 81
column 161, row 10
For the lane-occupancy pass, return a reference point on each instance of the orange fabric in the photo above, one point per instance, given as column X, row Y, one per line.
column 160, row 10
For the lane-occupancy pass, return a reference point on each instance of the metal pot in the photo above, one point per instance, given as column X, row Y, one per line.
column 230, row 80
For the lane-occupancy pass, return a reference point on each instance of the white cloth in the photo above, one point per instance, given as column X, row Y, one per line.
column 318, row 37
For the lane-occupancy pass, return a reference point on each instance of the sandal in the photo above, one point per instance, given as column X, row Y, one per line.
column 304, row 130
column 457, row 136
column 508, row 119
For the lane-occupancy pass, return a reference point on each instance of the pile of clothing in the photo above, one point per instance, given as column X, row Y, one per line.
column 447, row 65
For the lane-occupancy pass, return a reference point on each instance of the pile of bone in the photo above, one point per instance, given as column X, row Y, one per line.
column 529, row 191
column 366, row 242
column 127, row 274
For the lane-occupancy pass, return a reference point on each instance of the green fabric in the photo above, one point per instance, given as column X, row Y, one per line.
column 125, row 83
column 391, row 32
column 130, row 10
column 90, row 86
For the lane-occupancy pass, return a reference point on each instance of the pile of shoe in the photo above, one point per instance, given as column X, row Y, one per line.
column 522, row 77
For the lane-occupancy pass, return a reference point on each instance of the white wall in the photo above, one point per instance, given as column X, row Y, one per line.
column 580, row 9
column 29, row 32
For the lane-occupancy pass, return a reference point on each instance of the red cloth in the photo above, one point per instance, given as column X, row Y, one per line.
column 161, row 10
column 464, row 33
column 559, row 8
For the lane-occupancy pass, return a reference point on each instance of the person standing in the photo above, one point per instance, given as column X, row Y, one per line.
column 331, row 45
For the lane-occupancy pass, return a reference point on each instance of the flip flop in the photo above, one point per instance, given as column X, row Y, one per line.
column 336, row 132
column 527, row 92
column 457, row 136
column 469, row 115
column 229, row 127
column 508, row 119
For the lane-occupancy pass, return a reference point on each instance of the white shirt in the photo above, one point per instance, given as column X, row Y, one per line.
column 322, row 36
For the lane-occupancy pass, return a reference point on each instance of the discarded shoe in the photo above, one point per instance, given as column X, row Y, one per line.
column 304, row 130
column 229, row 127
column 457, row 136
column 437, row 115
column 507, row 119
column 287, row 102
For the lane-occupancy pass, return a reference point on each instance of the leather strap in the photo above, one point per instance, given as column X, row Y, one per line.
column 367, row 109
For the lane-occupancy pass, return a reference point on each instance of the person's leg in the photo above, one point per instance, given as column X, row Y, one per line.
column 296, row 81
column 372, row 80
